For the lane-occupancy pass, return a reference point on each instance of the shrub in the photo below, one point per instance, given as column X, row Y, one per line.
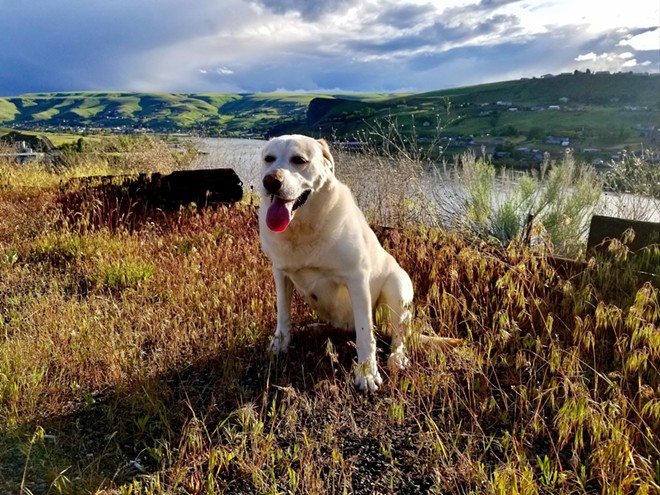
column 560, row 200
column 633, row 186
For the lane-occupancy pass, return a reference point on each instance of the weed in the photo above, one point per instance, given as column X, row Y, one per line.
column 124, row 274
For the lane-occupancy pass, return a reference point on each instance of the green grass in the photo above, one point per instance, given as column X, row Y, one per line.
column 46, row 114
column 133, row 360
column 8, row 110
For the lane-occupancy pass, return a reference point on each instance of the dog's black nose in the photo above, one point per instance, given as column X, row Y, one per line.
column 272, row 183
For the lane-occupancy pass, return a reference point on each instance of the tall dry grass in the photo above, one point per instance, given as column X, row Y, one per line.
column 134, row 361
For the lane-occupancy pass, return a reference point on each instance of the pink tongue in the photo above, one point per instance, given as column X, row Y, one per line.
column 279, row 214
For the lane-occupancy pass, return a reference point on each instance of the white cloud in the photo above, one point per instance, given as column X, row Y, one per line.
column 611, row 61
column 586, row 57
column 650, row 40
column 594, row 15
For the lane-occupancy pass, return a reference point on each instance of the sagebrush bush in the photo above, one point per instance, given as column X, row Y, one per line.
column 633, row 186
column 554, row 206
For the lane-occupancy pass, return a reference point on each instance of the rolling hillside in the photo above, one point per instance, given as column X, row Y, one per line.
column 597, row 108
column 604, row 111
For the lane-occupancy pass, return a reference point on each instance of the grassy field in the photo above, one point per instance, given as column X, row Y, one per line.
column 133, row 360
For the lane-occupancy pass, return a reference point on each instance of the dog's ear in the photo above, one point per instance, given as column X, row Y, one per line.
column 325, row 149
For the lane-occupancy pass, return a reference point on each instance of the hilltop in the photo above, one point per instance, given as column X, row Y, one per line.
column 599, row 111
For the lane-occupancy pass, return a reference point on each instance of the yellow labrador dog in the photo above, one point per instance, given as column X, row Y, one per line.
column 320, row 243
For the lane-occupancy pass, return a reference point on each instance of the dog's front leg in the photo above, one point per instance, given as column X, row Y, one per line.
column 367, row 377
column 284, row 289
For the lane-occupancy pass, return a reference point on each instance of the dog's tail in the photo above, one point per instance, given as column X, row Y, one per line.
column 436, row 342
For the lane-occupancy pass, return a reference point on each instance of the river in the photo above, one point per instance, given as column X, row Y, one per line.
column 243, row 155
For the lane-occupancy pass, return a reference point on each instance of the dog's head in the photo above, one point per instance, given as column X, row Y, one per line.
column 294, row 167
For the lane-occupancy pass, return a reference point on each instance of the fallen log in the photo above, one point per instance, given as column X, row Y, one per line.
column 205, row 187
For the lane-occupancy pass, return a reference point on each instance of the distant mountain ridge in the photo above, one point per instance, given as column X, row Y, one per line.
column 594, row 108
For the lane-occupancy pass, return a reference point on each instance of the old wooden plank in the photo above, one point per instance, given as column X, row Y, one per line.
column 603, row 229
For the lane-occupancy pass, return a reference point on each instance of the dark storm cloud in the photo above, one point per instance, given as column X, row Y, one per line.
column 309, row 10
column 76, row 44
column 403, row 16
column 479, row 8
column 465, row 31
column 436, row 35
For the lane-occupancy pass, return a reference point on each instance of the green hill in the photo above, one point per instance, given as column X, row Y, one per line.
column 572, row 105
column 603, row 111
column 164, row 112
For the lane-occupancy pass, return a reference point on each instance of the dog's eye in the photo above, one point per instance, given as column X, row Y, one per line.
column 269, row 158
column 298, row 160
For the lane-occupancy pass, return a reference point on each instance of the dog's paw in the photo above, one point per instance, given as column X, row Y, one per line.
column 279, row 345
column 397, row 361
column 367, row 377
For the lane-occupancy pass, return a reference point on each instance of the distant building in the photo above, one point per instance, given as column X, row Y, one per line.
column 557, row 140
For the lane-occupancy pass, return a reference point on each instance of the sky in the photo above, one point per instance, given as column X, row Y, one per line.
column 228, row 46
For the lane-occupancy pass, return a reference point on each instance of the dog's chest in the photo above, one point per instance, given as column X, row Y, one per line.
column 325, row 292
column 296, row 248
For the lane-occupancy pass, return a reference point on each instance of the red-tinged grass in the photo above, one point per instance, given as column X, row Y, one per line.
column 134, row 361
